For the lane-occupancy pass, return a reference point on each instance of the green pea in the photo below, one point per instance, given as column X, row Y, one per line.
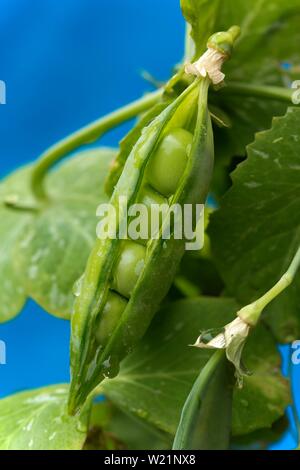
column 153, row 203
column 113, row 309
column 129, row 266
column 167, row 165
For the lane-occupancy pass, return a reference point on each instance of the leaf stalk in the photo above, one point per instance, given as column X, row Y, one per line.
column 252, row 312
column 86, row 135
column 275, row 93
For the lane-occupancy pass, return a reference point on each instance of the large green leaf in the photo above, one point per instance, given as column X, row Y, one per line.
column 44, row 252
column 265, row 394
column 256, row 232
column 202, row 16
column 270, row 36
column 54, row 248
column 38, row 420
column 155, row 380
column 261, row 439
column 12, row 226
column 112, row 429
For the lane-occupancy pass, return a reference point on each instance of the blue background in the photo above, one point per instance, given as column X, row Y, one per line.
column 65, row 63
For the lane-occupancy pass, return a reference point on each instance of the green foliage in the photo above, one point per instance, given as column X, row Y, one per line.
column 269, row 36
column 152, row 387
column 166, row 387
column 255, row 233
column 54, row 249
column 123, row 431
column 267, row 27
column 13, row 224
column 155, row 380
column 44, row 251
column 201, row 15
column 38, row 420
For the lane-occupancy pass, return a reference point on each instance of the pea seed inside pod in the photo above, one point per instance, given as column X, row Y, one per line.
column 129, row 267
column 155, row 205
column 113, row 309
column 167, row 165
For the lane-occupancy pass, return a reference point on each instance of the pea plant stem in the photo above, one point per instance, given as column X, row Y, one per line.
column 251, row 313
column 87, row 134
column 187, row 421
column 259, row 91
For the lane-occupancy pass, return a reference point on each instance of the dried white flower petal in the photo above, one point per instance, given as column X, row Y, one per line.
column 232, row 339
column 219, row 342
column 210, row 63
column 236, row 328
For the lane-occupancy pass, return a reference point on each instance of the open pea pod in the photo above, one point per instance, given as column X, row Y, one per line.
column 125, row 281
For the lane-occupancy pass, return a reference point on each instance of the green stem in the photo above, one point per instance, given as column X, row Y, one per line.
column 86, row 135
column 189, row 411
column 258, row 91
column 186, row 287
column 251, row 313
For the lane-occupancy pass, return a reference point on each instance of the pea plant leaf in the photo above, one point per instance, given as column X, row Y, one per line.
column 12, row 227
column 156, row 379
column 261, row 439
column 260, row 56
column 38, row 420
column 256, row 232
column 201, row 15
column 54, row 248
column 43, row 253
column 266, row 26
column 135, row 434
column 110, row 428
column 266, row 392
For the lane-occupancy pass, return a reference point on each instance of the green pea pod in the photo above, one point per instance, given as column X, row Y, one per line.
column 116, row 301
column 127, row 143
column 205, row 421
